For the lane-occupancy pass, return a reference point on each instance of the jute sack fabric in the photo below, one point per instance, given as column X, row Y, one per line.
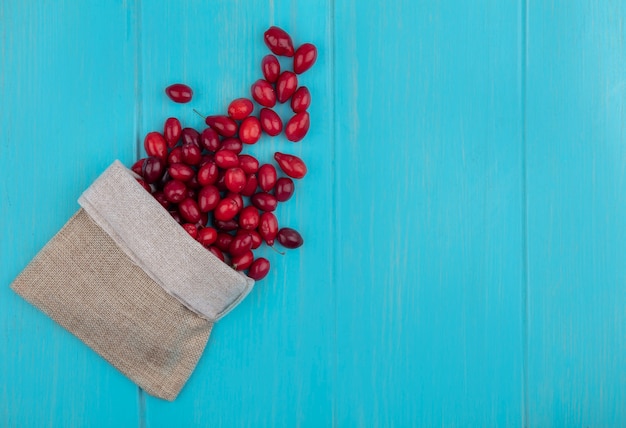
column 127, row 280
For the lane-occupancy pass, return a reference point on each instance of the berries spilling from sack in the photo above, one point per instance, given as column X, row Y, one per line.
column 202, row 177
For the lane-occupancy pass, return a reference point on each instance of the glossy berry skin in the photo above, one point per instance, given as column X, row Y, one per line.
column 233, row 144
column 152, row 169
column 216, row 252
column 263, row 93
column 259, row 269
column 291, row 165
column 226, row 226
column 155, row 145
column 175, row 191
column 251, row 185
column 240, row 244
column 304, row 58
column 271, row 122
column 289, row 238
column 256, row 238
column 192, row 154
column 237, row 198
column 286, row 85
column 249, row 218
column 301, row 99
column 208, row 198
column 206, row 236
column 137, row 167
column 235, row 179
column 248, row 163
column 223, row 240
column 240, row 108
column 179, row 93
column 267, row 177
column 180, row 171
column 191, row 229
column 250, row 130
column 270, row 68
column 297, row 126
column 264, row 201
column 190, row 135
column 243, row 261
column 210, row 140
column 223, row 125
column 226, row 209
column 160, row 197
column 226, row 159
column 172, row 131
column 207, row 174
column 175, row 156
column 278, row 41
column 284, row 189
column 268, row 227
column 189, row 210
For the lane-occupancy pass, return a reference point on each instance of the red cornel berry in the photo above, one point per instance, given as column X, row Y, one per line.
column 179, row 93
column 291, row 165
column 278, row 41
column 304, row 58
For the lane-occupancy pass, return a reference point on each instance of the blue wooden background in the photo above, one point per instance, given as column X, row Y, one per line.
column 464, row 214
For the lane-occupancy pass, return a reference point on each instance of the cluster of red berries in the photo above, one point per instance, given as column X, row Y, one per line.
column 201, row 178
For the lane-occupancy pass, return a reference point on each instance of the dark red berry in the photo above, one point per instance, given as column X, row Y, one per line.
column 155, row 145
column 297, row 126
column 207, row 236
column 192, row 154
column 304, row 58
column 248, row 163
column 289, row 238
column 175, row 191
column 286, row 86
column 268, row 227
column 175, row 156
column 264, row 201
column 256, row 238
column 291, row 165
column 240, row 244
column 251, row 185
column 208, row 198
column 180, row 171
column 208, row 174
column 191, row 229
column 278, row 41
column 301, row 99
column 137, row 167
column 240, row 108
column 263, row 93
column 270, row 67
column 190, row 135
column 223, row 240
column 250, row 130
column 243, row 261
column 189, row 210
column 235, row 179
column 172, row 131
column 226, row 159
column 144, row 185
column 233, row 144
column 226, row 209
column 259, row 269
column 267, row 177
column 179, row 93
column 223, row 125
column 271, row 122
column 227, row 225
column 210, row 140
column 153, row 169
column 160, row 197
column 284, row 189
column 249, row 218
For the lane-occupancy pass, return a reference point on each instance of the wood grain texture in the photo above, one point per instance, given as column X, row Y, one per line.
column 576, row 205
column 67, row 109
column 462, row 215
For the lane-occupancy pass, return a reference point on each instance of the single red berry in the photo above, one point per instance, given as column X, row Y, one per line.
column 207, row 236
column 137, row 167
column 249, row 218
column 226, row 209
column 179, row 93
column 190, row 135
column 259, row 269
column 208, row 173
column 153, row 169
column 223, row 240
column 233, row 144
column 301, row 99
column 304, row 58
column 289, row 238
column 240, row 244
column 248, row 163
column 286, row 85
column 191, row 229
column 263, row 93
column 226, row 159
column 297, row 126
column 192, row 154
column 240, row 108
column 267, row 177
column 264, row 201
column 172, row 131
column 278, row 41
column 175, row 156
column 189, row 210
column 270, row 67
column 291, row 165
column 243, row 261
column 210, row 140
column 251, row 185
column 175, row 191
column 223, row 125
column 155, row 145
column 226, row 225
column 284, row 189
column 256, row 238
column 268, row 227
column 271, row 123
column 235, row 179
column 208, row 198
column 250, row 130
column 180, row 171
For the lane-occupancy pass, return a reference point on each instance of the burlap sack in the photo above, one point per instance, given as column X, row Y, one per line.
column 128, row 281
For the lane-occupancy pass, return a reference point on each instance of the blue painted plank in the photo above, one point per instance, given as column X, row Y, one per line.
column 576, row 204
column 428, row 200
column 269, row 362
column 66, row 111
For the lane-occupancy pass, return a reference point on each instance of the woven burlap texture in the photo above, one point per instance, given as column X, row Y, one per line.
column 83, row 281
